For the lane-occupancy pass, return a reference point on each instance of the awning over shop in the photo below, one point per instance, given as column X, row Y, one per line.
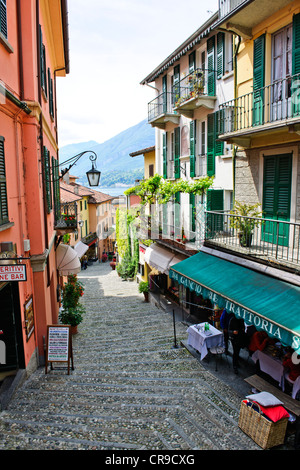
column 159, row 258
column 267, row 303
column 67, row 260
column 81, row 248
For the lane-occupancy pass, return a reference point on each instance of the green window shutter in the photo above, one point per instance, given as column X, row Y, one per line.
column 50, row 87
column 192, row 148
column 220, row 54
column 277, row 197
column 3, row 18
column 165, row 162
column 219, row 129
column 41, row 56
column 192, row 62
column 177, row 152
column 211, row 78
column 56, row 191
column 296, row 64
column 3, row 190
column 192, row 212
column 215, row 202
column 177, row 228
column 211, row 144
column 47, row 178
column 258, row 80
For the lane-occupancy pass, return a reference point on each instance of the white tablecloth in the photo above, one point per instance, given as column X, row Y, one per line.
column 270, row 365
column 202, row 341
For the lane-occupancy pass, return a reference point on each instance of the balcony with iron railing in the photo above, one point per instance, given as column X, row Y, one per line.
column 161, row 111
column 194, row 91
column 273, row 241
column 65, row 218
column 270, row 108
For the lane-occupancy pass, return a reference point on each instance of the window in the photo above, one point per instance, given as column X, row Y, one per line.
column 47, row 178
column 3, row 191
column 3, row 18
column 151, row 170
column 50, row 87
column 43, row 62
column 56, row 192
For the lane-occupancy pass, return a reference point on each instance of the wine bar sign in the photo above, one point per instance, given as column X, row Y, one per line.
column 59, row 346
column 13, row 272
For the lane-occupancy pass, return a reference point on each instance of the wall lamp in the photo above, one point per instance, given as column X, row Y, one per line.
column 93, row 175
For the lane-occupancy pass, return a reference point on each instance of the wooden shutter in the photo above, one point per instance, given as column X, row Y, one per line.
column 258, row 80
column 50, row 87
column 219, row 129
column 3, row 18
column 210, row 144
column 165, row 94
column 165, row 163
column 56, row 191
column 215, row 202
column 277, row 197
column 211, row 66
column 177, row 152
column 296, row 65
column 47, row 179
column 177, row 228
column 192, row 213
column 192, row 148
column 220, row 54
column 3, row 191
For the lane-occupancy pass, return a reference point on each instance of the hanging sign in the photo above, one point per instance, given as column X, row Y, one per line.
column 13, row 272
column 59, row 346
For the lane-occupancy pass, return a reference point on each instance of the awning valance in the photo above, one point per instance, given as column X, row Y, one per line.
column 159, row 258
column 67, row 260
column 267, row 303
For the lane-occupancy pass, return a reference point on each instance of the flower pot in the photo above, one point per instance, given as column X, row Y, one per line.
column 146, row 295
column 74, row 330
column 245, row 239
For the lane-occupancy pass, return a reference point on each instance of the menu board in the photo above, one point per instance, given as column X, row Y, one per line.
column 59, row 345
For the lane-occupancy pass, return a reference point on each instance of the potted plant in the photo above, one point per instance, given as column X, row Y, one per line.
column 144, row 289
column 72, row 310
column 244, row 221
column 104, row 257
column 112, row 265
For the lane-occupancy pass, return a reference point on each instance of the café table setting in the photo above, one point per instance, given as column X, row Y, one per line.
column 203, row 337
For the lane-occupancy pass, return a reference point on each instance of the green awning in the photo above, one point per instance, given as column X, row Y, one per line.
column 263, row 301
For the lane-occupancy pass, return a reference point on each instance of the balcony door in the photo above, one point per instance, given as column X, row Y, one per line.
column 277, row 198
column 281, row 73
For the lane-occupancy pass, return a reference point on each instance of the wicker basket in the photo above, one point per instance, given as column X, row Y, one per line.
column 264, row 432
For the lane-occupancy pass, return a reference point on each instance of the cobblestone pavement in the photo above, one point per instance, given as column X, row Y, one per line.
column 130, row 389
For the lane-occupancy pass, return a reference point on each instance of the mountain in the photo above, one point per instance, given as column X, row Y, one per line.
column 113, row 154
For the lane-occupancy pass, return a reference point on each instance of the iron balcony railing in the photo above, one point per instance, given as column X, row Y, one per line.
column 66, row 215
column 264, row 238
column 162, row 104
column 273, row 103
column 198, row 83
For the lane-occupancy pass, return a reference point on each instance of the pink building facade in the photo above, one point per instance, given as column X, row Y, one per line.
column 33, row 53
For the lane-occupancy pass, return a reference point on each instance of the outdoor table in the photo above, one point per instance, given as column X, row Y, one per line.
column 203, row 340
column 271, row 366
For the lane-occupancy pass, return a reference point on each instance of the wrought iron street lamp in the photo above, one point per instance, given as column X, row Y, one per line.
column 93, row 175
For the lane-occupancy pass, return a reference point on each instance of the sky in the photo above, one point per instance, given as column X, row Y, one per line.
column 114, row 45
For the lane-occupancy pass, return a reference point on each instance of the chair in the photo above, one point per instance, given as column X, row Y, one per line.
column 294, row 383
column 217, row 351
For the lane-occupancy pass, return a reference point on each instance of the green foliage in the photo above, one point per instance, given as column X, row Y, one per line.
column 72, row 310
column 158, row 189
column 143, row 287
column 244, row 222
column 127, row 268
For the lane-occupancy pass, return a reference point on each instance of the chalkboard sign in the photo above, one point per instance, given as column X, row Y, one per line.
column 59, row 346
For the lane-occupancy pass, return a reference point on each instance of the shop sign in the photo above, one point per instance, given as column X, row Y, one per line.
column 13, row 272
column 286, row 337
column 29, row 317
column 59, row 346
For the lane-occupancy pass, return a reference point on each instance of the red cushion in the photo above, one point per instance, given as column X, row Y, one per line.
column 274, row 413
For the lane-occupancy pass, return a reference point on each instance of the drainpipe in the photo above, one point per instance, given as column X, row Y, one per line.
column 236, row 51
column 20, row 50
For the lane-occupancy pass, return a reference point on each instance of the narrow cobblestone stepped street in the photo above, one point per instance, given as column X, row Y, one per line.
column 130, row 390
